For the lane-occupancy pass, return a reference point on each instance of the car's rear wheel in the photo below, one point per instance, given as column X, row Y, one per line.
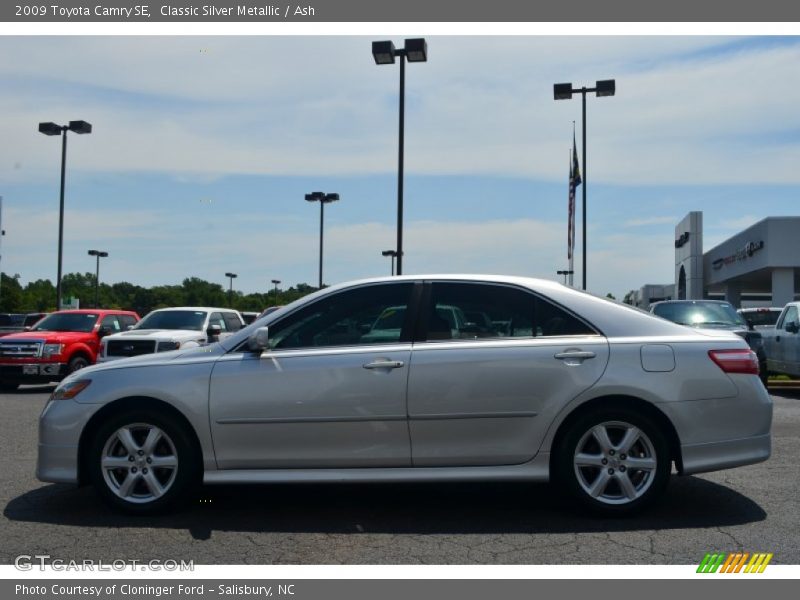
column 143, row 462
column 613, row 461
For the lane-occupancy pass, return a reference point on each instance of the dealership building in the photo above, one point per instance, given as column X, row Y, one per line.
column 760, row 266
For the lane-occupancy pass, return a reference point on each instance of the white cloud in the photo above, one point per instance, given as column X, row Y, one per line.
column 318, row 105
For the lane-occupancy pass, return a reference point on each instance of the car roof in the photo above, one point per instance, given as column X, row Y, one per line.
column 196, row 309
column 92, row 311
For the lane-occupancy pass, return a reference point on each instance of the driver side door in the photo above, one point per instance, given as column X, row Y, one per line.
column 328, row 392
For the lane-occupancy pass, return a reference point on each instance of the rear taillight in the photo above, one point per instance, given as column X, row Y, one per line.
column 735, row 361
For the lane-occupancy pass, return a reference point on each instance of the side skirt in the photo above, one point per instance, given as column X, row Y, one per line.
column 536, row 469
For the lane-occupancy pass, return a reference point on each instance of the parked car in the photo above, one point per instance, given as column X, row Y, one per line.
column 269, row 310
column 782, row 342
column 170, row 329
column 597, row 396
column 761, row 318
column 249, row 316
column 16, row 322
column 61, row 343
column 717, row 315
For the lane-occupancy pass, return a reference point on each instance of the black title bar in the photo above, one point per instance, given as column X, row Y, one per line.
column 437, row 11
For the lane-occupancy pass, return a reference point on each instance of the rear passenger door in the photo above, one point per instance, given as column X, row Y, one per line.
column 491, row 366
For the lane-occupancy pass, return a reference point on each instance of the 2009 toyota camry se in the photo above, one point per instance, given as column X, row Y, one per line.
column 418, row 378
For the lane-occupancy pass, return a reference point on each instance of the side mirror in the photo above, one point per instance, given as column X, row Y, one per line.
column 793, row 327
column 213, row 330
column 129, row 327
column 103, row 332
column 258, row 340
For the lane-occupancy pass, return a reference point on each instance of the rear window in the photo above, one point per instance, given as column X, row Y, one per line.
column 699, row 313
column 762, row 317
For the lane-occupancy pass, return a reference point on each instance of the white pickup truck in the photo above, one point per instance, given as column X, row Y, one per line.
column 782, row 342
column 170, row 329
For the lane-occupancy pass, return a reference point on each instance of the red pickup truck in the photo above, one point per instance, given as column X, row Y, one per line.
column 59, row 344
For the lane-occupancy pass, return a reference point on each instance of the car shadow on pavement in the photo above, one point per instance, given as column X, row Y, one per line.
column 460, row 508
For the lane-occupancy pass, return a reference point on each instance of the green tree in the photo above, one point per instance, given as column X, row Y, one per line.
column 11, row 296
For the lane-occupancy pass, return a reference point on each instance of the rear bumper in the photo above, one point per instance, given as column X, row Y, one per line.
column 714, row 456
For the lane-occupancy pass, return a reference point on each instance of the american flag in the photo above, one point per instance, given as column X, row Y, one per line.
column 574, row 182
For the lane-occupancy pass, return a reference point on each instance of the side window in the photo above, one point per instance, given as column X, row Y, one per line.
column 471, row 311
column 372, row 314
column 789, row 317
column 232, row 321
column 126, row 321
column 216, row 319
column 111, row 323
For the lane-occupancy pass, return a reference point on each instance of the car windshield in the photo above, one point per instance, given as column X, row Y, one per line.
column 173, row 319
column 699, row 313
column 81, row 322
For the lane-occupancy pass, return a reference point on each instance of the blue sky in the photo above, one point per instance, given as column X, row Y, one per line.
column 203, row 148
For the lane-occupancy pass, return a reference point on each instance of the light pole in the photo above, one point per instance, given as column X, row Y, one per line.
column 564, row 91
column 231, row 277
column 393, row 254
column 50, row 128
column 99, row 255
column 275, row 282
column 384, row 53
column 565, row 273
column 323, row 199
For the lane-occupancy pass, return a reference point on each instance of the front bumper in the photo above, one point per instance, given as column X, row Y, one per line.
column 60, row 426
column 32, row 372
column 57, row 464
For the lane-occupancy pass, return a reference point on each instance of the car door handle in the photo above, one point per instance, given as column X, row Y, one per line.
column 574, row 355
column 384, row 364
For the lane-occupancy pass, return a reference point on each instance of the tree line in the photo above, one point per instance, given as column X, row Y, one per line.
column 40, row 295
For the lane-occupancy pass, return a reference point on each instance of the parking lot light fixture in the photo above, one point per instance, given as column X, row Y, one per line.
column 384, row 53
column 53, row 129
column 231, row 277
column 99, row 254
column 565, row 273
column 323, row 199
column 564, row 91
column 275, row 282
column 393, row 254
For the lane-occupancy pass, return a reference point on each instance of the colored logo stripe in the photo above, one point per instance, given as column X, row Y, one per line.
column 734, row 562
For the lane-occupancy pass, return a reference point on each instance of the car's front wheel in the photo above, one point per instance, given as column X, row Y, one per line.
column 613, row 461
column 143, row 462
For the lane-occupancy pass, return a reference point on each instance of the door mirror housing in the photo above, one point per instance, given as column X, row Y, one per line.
column 103, row 332
column 793, row 327
column 258, row 340
column 213, row 330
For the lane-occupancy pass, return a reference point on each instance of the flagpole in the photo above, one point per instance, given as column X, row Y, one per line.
column 570, row 226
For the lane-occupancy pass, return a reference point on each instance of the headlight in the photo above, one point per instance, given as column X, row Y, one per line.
column 51, row 349
column 167, row 346
column 69, row 390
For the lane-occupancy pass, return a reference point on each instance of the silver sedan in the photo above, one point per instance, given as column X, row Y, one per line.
column 418, row 378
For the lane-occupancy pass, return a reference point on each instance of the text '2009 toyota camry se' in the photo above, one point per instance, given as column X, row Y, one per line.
column 418, row 378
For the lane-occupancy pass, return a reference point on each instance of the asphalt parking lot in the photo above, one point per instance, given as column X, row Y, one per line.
column 752, row 508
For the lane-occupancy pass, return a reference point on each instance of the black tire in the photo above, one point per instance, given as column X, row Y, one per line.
column 647, row 484
column 77, row 363
column 6, row 386
column 177, row 483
